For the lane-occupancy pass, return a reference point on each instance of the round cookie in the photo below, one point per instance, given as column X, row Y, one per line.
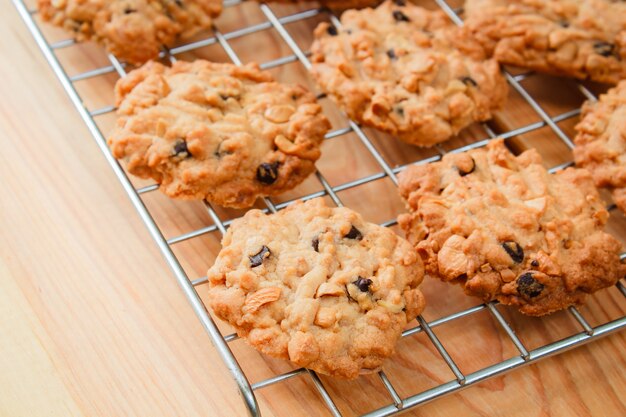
column 575, row 38
column 318, row 286
column 132, row 30
column 218, row 132
column 506, row 229
column 601, row 142
column 407, row 71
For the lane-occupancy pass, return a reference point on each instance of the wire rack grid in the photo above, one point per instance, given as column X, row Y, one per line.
column 396, row 402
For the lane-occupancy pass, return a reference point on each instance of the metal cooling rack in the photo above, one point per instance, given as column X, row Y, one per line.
column 397, row 404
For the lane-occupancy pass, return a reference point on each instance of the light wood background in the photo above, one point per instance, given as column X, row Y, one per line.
column 93, row 324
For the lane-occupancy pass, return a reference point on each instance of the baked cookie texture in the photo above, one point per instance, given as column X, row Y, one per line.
column 407, row 71
column 218, row 132
column 506, row 229
column 601, row 142
column 318, row 286
column 575, row 38
column 132, row 30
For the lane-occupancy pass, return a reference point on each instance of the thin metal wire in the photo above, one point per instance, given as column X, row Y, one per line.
column 324, row 393
column 581, row 320
column 390, row 389
column 278, row 378
column 442, row 351
column 398, row 404
column 509, row 331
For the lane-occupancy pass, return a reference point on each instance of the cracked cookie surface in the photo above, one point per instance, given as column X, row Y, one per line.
column 318, row 286
column 407, row 71
column 132, row 30
column 218, row 132
column 601, row 142
column 506, row 229
column 575, row 38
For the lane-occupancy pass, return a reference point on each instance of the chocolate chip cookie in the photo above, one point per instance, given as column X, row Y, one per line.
column 575, row 38
column 132, row 30
column 506, row 229
column 600, row 142
column 218, row 132
column 318, row 286
column 407, row 71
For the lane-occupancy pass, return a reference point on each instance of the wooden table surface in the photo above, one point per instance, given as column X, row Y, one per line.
column 92, row 322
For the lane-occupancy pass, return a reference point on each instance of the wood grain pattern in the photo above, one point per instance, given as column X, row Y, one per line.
column 93, row 323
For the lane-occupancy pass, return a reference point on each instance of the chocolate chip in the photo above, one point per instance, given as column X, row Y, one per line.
column 534, row 263
column 528, row 286
column 180, row 149
column 256, row 260
column 316, row 244
column 399, row 110
column 514, row 250
column 463, row 172
column 363, row 284
column 604, row 48
column 400, row 17
column 129, row 10
column 400, row 3
column 354, row 234
column 563, row 23
column 391, row 54
column 332, row 31
column 267, row 173
column 469, row 81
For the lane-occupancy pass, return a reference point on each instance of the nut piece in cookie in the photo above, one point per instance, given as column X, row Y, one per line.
column 407, row 71
column 318, row 286
column 132, row 30
column 509, row 230
column 601, row 142
column 218, row 132
column 575, row 38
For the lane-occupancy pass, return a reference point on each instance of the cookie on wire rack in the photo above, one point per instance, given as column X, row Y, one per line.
column 601, row 142
column 318, row 286
column 507, row 230
column 575, row 38
column 132, row 30
column 218, row 132
column 407, row 71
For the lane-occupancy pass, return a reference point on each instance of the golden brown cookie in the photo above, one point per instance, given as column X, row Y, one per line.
column 576, row 38
column 507, row 230
column 407, row 71
column 318, row 286
column 601, row 142
column 218, row 132
column 132, row 30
